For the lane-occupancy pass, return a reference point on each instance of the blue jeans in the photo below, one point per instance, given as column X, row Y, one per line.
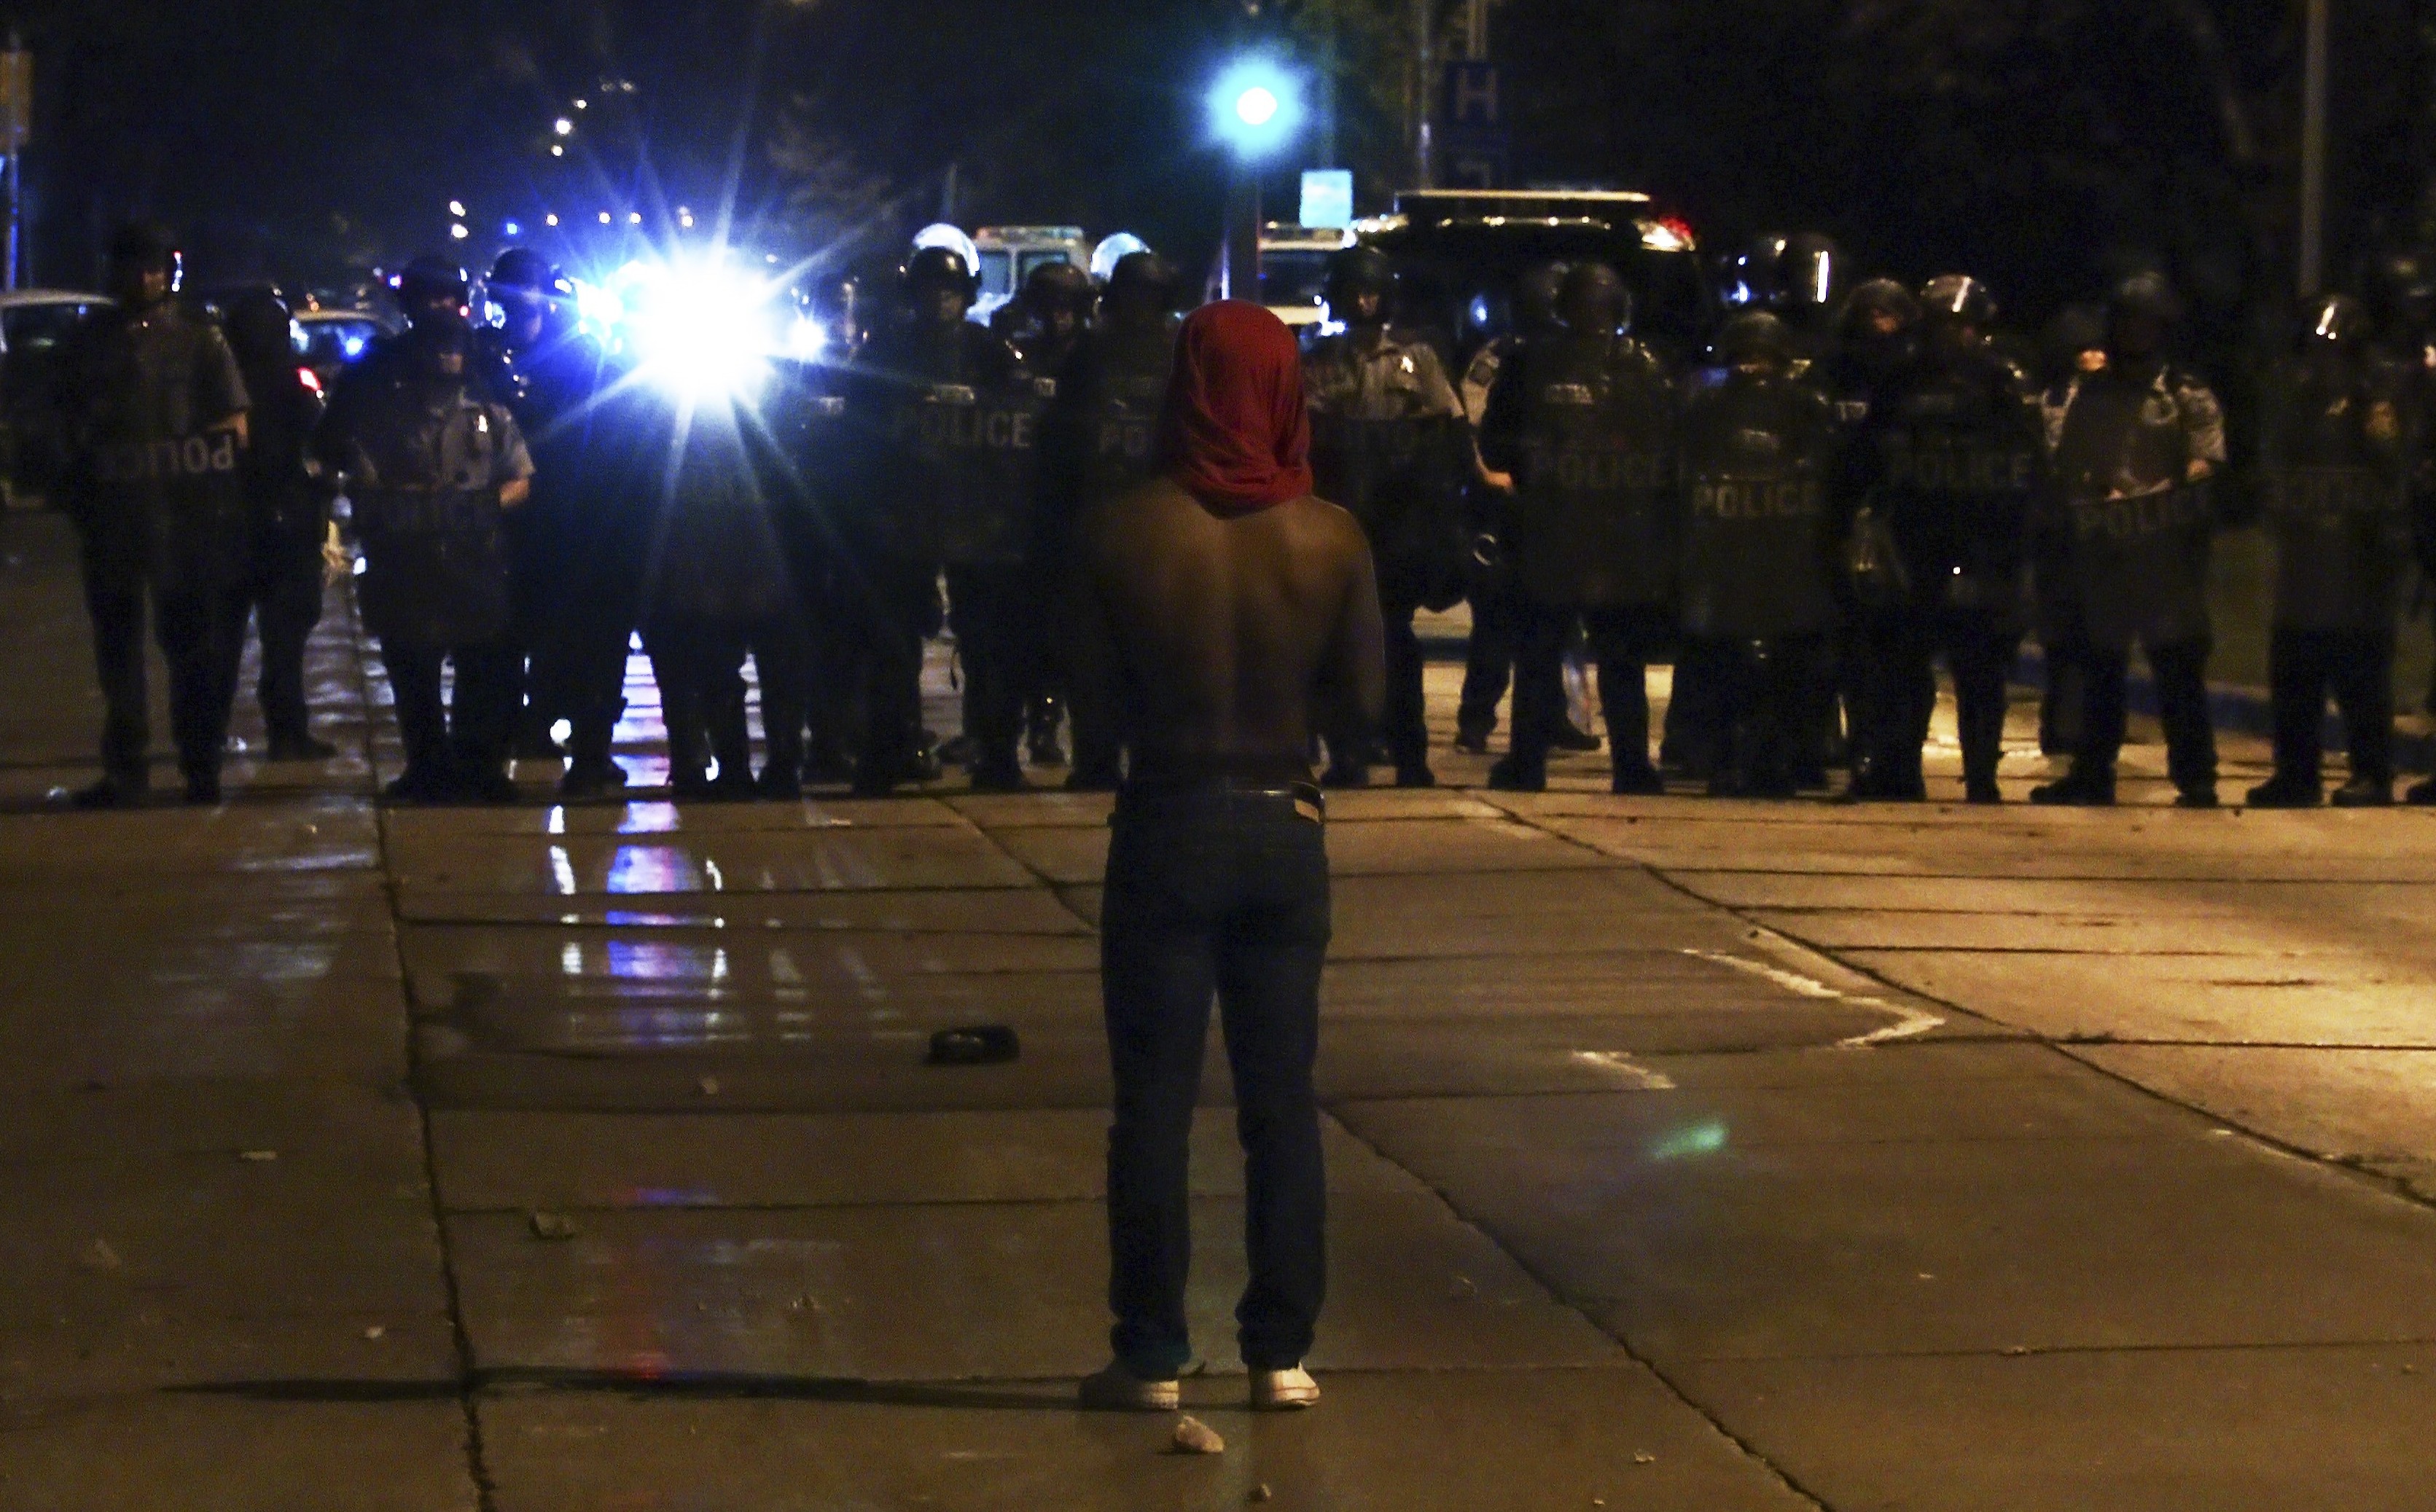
column 1212, row 890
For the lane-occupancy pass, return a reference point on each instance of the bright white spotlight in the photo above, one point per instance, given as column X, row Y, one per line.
column 1256, row 107
column 701, row 330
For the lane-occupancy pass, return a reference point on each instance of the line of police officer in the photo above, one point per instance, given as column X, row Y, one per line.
column 1840, row 498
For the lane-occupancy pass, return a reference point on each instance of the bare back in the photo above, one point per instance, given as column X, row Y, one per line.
column 1216, row 639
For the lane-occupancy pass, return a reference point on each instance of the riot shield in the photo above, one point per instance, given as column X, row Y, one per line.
column 2341, row 536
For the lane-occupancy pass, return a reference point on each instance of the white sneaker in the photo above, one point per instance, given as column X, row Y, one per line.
column 1117, row 1389
column 1283, row 1391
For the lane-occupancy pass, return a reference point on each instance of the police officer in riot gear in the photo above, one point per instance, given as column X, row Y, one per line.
column 2336, row 455
column 1755, row 454
column 288, row 509
column 1496, row 607
column 154, row 417
column 1058, row 299
column 431, row 466
column 2072, row 347
column 1947, row 465
column 1583, row 422
column 2138, row 445
column 1389, row 444
column 934, row 395
column 1098, row 440
column 2402, row 294
column 581, row 541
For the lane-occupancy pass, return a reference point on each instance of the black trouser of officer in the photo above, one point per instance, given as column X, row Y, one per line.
column 1497, row 614
column 283, row 593
column 1623, row 640
column 468, row 737
column 2356, row 668
column 698, row 664
column 884, row 612
column 1765, row 702
column 2181, row 673
column 995, row 611
column 193, row 629
column 580, row 647
column 1902, row 698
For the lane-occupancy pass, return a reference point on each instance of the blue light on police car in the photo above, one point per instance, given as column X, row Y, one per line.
column 351, row 345
column 1256, row 107
column 513, row 228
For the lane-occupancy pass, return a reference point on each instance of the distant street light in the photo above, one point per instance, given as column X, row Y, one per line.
column 562, row 126
column 1255, row 109
column 457, row 207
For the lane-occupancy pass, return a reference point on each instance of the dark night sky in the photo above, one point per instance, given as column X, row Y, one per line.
column 2039, row 144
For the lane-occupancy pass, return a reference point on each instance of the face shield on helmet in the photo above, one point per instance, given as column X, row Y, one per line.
column 1535, row 299
column 145, row 265
column 1361, row 285
column 2140, row 313
column 432, row 287
column 939, row 284
column 1880, row 310
column 1594, row 301
column 1059, row 294
column 1757, row 273
column 261, row 329
column 1812, row 276
column 1754, row 341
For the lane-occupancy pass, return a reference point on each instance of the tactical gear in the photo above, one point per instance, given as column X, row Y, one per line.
column 1759, row 272
column 1961, row 299
column 431, row 281
column 2335, row 462
column 1389, row 443
column 2141, row 525
column 1880, row 294
column 1152, row 276
column 1535, row 300
column 1754, row 336
column 1755, row 456
column 1595, row 301
column 521, row 267
column 1358, row 270
column 1584, row 424
column 1812, row 274
column 2149, row 295
column 1060, row 286
column 936, row 267
column 2338, row 318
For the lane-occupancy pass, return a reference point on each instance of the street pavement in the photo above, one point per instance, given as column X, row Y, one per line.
column 1683, row 1153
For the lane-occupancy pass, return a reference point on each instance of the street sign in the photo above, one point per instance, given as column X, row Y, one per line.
column 1327, row 198
column 1473, row 97
column 1475, row 147
column 16, row 100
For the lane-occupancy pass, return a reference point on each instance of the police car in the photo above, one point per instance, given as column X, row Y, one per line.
column 1459, row 251
column 1294, row 269
column 33, row 322
column 332, row 339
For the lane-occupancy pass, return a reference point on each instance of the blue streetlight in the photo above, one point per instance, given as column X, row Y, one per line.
column 1255, row 109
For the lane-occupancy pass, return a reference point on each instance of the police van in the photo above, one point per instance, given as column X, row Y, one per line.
column 1294, row 269
column 1009, row 254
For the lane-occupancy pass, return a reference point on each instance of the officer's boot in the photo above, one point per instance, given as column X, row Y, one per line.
column 731, row 745
column 1045, row 712
column 2290, row 788
column 590, row 768
column 2087, row 785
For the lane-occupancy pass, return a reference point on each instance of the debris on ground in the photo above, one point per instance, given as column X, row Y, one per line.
column 98, row 1256
column 708, row 1087
column 257, row 1157
column 375, row 1333
column 1193, row 1436
column 550, row 1225
column 975, row 1045
column 1260, row 1493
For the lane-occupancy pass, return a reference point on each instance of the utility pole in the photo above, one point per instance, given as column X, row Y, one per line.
column 2313, row 153
column 1425, row 88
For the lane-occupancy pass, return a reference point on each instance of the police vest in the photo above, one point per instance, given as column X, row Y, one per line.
column 2140, row 531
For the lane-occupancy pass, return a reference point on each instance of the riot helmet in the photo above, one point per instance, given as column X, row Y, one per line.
column 1535, row 299
column 2139, row 313
column 2403, row 290
column 524, row 286
column 1811, row 277
column 1112, row 251
column 1594, row 301
column 1880, row 310
column 1353, row 273
column 432, row 286
column 1056, row 289
column 1144, row 286
column 939, row 284
column 1758, row 273
column 2075, row 342
column 1755, row 339
column 1957, row 299
column 2337, row 320
column 145, row 265
column 261, row 329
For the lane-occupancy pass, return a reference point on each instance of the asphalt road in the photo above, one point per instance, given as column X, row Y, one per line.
column 1685, row 1154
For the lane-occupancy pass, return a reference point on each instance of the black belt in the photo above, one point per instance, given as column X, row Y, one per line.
column 1180, row 785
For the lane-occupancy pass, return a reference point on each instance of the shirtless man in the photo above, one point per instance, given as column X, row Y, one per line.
column 1220, row 607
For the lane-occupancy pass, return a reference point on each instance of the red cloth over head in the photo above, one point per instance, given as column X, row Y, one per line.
column 1234, row 432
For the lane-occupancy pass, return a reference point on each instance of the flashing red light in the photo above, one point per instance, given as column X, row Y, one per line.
column 311, row 382
column 1680, row 226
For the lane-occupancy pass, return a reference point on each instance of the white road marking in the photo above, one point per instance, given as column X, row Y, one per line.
column 1909, row 1021
column 1616, row 1063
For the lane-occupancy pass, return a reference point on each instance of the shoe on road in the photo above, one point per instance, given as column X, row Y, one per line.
column 2364, row 793
column 1117, row 1389
column 109, row 793
column 1283, row 1391
column 1510, row 776
column 1638, row 782
column 301, row 748
column 2421, row 793
column 2197, row 797
column 2076, row 791
column 2286, row 792
column 1473, row 740
column 1571, row 737
column 1417, row 775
